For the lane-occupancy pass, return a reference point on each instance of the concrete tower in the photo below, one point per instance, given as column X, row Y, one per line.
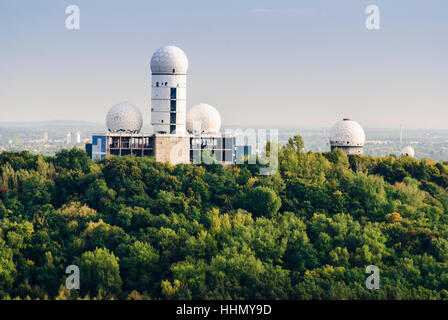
column 169, row 66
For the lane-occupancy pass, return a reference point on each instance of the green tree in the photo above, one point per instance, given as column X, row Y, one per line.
column 99, row 273
column 8, row 270
column 139, row 267
column 262, row 201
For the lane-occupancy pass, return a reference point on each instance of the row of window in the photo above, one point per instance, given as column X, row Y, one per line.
column 172, row 106
column 172, row 118
column 219, row 155
column 214, row 143
column 161, row 84
column 173, row 92
column 138, row 153
column 126, row 143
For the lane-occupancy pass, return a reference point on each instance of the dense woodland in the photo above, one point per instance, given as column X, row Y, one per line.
column 139, row 229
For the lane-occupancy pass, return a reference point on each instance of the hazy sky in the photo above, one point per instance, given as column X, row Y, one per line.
column 303, row 63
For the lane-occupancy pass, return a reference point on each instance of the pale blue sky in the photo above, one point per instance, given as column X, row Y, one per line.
column 301, row 63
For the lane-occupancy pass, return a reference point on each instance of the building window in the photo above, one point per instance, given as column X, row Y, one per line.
column 166, row 83
column 174, row 70
column 172, row 129
column 157, row 84
column 227, row 155
column 173, row 93
column 125, row 143
column 173, row 118
column 115, row 142
column 173, row 105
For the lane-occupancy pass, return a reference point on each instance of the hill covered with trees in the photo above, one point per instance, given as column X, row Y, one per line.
column 139, row 229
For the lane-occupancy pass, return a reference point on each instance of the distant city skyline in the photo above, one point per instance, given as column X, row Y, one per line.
column 282, row 63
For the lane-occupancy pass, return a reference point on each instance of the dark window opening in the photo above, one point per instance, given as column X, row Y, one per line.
column 157, row 84
column 172, row 129
column 173, row 93
column 115, row 143
column 125, row 143
column 174, row 70
column 173, row 118
column 173, row 105
column 166, row 83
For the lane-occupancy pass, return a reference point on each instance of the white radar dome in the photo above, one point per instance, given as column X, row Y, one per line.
column 124, row 117
column 408, row 152
column 203, row 118
column 347, row 133
column 169, row 60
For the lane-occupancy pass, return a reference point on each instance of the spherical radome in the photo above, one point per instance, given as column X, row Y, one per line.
column 347, row 133
column 124, row 117
column 408, row 152
column 203, row 118
column 170, row 60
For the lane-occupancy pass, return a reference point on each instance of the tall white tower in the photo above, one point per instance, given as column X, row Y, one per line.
column 169, row 66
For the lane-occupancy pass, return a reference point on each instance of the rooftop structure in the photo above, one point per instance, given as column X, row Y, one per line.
column 347, row 135
column 124, row 117
column 408, row 151
column 203, row 118
column 169, row 66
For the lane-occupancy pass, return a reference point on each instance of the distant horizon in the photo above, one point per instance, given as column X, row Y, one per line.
column 268, row 126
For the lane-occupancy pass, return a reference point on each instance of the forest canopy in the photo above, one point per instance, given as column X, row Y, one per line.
column 139, row 229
